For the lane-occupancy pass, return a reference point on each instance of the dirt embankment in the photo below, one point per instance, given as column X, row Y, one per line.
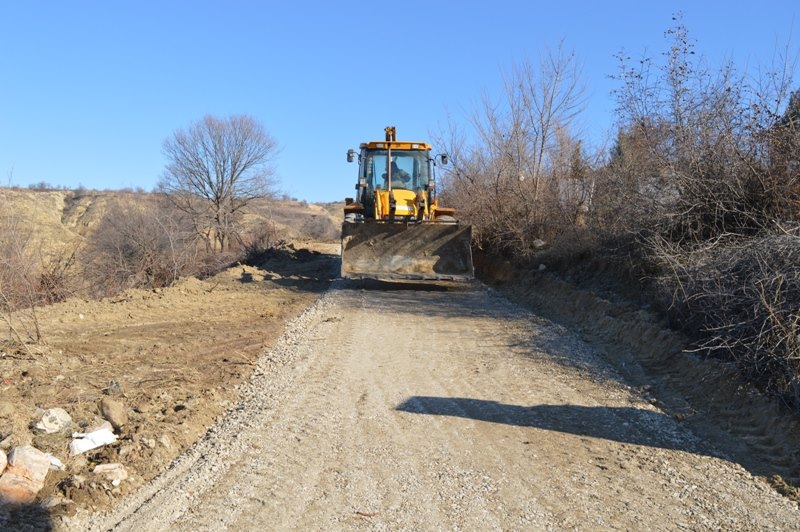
column 173, row 358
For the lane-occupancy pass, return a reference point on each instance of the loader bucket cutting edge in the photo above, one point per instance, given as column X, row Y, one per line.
column 426, row 251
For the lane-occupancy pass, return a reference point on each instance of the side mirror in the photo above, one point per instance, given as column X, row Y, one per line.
column 351, row 155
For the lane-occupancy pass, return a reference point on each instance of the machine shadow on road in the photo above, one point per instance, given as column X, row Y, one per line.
column 621, row 424
column 627, row 425
column 448, row 299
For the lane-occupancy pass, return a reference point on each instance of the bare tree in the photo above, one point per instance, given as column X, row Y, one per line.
column 513, row 183
column 215, row 168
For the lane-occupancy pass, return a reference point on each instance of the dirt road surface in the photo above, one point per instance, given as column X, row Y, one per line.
column 408, row 407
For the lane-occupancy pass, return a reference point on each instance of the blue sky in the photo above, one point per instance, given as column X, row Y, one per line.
column 91, row 89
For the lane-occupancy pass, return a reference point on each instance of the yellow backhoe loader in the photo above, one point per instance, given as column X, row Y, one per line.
column 394, row 228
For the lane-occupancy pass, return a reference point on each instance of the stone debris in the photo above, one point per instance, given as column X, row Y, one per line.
column 113, row 388
column 115, row 472
column 165, row 441
column 53, row 501
column 24, row 475
column 85, row 441
column 114, row 411
column 55, row 463
column 30, row 461
column 54, row 420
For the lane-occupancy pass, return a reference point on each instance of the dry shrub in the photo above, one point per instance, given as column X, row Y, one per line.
column 744, row 298
column 57, row 278
column 526, row 179
column 320, row 227
column 702, row 183
column 263, row 237
column 19, row 293
column 701, row 155
column 140, row 243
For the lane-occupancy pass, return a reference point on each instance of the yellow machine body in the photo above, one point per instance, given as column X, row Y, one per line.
column 394, row 228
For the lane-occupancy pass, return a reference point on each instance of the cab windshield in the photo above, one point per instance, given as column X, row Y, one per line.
column 409, row 169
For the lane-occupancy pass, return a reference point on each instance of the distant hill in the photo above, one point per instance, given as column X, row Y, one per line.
column 301, row 220
column 53, row 220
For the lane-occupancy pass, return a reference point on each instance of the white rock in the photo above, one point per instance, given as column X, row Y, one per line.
column 85, row 441
column 113, row 472
column 55, row 463
column 54, row 420
column 3, row 461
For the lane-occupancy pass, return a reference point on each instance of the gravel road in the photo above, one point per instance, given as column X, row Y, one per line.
column 401, row 407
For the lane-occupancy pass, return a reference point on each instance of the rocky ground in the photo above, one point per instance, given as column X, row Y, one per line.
column 159, row 365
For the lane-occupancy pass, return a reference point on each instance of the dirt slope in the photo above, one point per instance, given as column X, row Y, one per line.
column 403, row 408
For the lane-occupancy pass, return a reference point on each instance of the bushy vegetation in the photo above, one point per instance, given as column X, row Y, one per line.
column 700, row 193
column 19, row 281
column 139, row 242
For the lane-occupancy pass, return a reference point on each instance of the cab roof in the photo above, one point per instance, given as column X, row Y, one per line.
column 395, row 145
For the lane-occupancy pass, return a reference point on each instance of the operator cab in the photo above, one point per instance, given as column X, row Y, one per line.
column 409, row 169
column 388, row 166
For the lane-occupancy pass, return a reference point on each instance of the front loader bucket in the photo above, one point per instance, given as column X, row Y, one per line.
column 426, row 251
